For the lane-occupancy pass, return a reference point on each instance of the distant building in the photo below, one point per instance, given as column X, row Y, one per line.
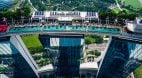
column 120, row 59
column 135, row 26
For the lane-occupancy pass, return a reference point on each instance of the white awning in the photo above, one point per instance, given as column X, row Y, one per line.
column 83, row 14
column 47, row 14
column 131, row 26
column 65, row 18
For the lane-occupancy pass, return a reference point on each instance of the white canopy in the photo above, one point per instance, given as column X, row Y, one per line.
column 65, row 18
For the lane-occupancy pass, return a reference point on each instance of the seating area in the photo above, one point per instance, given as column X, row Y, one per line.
column 3, row 29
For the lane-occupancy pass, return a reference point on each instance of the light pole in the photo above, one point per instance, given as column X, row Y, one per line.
column 107, row 20
column 22, row 19
column 84, row 7
column 116, row 21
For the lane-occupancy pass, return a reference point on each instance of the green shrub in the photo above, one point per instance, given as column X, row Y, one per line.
column 2, row 68
column 37, row 49
column 92, row 52
column 93, row 39
column 97, row 53
column 87, row 41
column 138, row 72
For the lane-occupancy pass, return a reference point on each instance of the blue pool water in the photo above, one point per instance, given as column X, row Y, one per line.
column 25, row 29
column 103, row 29
column 51, row 28
column 64, row 28
column 80, row 28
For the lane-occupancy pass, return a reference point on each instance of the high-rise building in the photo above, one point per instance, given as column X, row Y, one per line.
column 65, row 50
column 15, row 60
column 121, row 57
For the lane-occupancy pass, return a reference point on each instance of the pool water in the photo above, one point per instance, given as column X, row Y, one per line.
column 64, row 28
column 25, row 29
column 51, row 28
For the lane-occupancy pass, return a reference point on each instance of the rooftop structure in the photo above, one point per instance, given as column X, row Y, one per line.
column 65, row 15
column 135, row 26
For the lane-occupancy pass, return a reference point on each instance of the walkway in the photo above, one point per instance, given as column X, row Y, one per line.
column 32, row 5
column 118, row 4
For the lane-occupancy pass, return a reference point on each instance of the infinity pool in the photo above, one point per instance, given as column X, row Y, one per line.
column 82, row 28
column 64, row 28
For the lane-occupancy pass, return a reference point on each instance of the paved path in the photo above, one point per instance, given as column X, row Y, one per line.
column 118, row 5
column 32, row 5
column 99, row 47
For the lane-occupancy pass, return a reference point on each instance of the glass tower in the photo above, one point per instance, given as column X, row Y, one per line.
column 65, row 51
column 15, row 62
column 121, row 58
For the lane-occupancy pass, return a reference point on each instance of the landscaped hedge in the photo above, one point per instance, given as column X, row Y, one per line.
column 34, row 50
column 93, row 39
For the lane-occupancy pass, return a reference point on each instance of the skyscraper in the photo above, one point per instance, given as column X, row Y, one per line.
column 121, row 58
column 66, row 53
column 15, row 58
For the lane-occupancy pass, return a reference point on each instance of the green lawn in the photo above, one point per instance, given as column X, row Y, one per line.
column 116, row 10
column 135, row 4
column 33, row 44
column 138, row 72
column 31, row 41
